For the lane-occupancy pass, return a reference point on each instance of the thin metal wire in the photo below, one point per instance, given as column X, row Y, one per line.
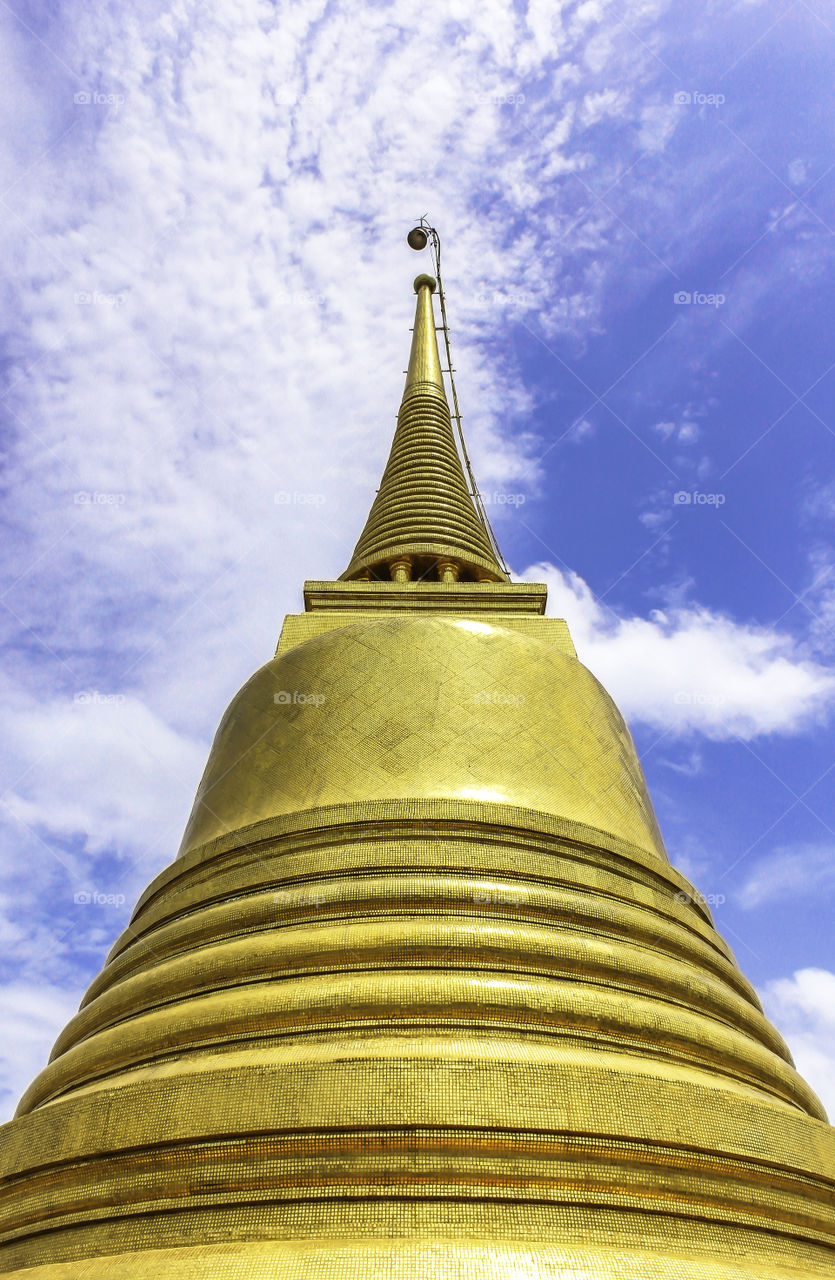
column 435, row 240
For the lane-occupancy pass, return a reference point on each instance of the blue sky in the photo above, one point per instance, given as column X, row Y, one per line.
column 205, row 320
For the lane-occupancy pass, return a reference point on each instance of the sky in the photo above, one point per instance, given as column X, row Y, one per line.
column 205, row 321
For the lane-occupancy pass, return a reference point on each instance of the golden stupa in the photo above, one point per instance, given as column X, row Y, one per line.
column 422, row 996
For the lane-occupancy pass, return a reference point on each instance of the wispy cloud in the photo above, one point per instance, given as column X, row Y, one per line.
column 790, row 872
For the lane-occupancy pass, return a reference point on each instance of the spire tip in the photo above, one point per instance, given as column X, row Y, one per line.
column 422, row 280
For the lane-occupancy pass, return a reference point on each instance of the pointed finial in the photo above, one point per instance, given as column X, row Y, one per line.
column 423, row 522
column 424, row 361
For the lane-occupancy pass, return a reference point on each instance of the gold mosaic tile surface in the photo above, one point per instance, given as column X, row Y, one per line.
column 444, row 707
column 378, row 1035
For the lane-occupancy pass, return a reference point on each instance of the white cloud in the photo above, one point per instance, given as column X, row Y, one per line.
column 694, row 859
column 597, row 106
column 31, row 1016
column 580, row 431
column 690, row 767
column 658, row 123
column 101, row 769
column 691, row 670
column 796, row 871
column 819, row 597
column 803, row 1008
column 685, row 432
column 820, row 502
column 798, row 172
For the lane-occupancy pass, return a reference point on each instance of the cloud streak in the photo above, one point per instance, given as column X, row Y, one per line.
column 790, row 873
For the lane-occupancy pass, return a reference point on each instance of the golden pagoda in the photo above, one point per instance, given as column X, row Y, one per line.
column 422, row 995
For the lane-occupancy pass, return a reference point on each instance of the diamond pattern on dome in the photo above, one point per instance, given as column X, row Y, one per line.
column 421, row 707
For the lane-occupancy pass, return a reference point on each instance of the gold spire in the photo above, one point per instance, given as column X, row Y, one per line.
column 423, row 522
column 424, row 372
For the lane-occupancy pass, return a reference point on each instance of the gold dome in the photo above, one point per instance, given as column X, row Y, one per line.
column 419, row 708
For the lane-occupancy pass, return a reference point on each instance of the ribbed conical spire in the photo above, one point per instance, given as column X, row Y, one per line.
column 423, row 522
